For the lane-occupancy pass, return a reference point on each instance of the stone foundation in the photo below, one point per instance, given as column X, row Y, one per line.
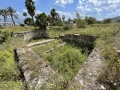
column 34, row 34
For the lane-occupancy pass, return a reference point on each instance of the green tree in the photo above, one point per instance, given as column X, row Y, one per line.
column 49, row 18
column 41, row 20
column 29, row 4
column 24, row 14
column 12, row 14
column 80, row 22
column 53, row 14
column 90, row 20
column 4, row 13
column 28, row 21
column 108, row 20
column 63, row 18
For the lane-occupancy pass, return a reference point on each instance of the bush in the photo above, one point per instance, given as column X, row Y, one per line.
column 66, row 61
column 67, row 27
column 59, row 23
column 81, row 23
column 22, row 25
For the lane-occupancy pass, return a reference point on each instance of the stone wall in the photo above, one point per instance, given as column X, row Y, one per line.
column 83, row 41
column 34, row 69
column 34, row 34
column 79, row 38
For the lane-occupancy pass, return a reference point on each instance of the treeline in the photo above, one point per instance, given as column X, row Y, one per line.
column 53, row 18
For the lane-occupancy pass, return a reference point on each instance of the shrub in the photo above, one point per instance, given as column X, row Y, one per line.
column 22, row 25
column 59, row 23
column 67, row 27
column 66, row 61
column 81, row 23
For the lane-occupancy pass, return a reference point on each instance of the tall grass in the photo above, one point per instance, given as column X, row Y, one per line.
column 9, row 73
column 66, row 61
column 42, row 48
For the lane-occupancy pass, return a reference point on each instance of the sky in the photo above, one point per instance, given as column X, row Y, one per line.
column 99, row 9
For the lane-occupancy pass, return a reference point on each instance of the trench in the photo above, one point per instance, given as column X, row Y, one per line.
column 21, row 76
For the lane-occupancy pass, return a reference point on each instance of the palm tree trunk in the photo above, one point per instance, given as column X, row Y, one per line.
column 12, row 20
column 33, row 20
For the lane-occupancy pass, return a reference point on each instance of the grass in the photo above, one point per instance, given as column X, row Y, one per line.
column 42, row 48
column 66, row 61
column 9, row 73
column 19, row 28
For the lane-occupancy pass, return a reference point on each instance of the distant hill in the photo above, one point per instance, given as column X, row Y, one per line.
column 115, row 19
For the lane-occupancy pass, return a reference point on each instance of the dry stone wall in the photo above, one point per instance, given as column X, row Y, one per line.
column 34, row 34
column 79, row 38
column 35, row 71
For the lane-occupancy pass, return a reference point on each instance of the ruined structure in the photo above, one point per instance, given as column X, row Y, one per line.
column 37, row 72
column 34, row 34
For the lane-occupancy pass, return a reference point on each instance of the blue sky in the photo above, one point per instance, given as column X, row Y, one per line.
column 99, row 9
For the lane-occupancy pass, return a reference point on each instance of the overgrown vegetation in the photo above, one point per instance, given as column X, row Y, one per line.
column 9, row 72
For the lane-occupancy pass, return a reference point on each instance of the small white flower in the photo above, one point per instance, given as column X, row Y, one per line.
column 102, row 87
column 114, row 83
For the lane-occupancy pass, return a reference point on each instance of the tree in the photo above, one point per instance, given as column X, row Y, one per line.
column 53, row 14
column 108, row 20
column 49, row 18
column 12, row 14
column 63, row 18
column 29, row 4
column 28, row 21
column 24, row 14
column 41, row 20
column 90, row 20
column 69, row 20
column 4, row 13
column 80, row 22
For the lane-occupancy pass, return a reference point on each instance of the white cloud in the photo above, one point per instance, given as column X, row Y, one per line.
column 67, row 14
column 98, row 7
column 63, row 2
column 36, row 11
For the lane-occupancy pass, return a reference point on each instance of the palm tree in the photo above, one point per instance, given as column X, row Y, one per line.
column 53, row 14
column 12, row 14
column 24, row 14
column 4, row 13
column 29, row 4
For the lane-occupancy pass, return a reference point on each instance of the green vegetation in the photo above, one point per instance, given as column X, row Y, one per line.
column 41, row 49
column 66, row 61
column 8, row 12
column 9, row 72
column 12, row 14
column 28, row 21
column 29, row 4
